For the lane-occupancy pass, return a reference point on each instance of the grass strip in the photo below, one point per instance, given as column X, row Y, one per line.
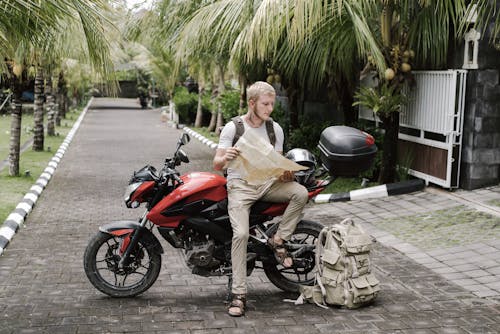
column 31, row 165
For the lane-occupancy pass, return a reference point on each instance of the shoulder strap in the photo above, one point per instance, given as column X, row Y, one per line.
column 240, row 128
column 270, row 131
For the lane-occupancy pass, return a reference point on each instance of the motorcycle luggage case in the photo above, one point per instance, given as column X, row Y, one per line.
column 346, row 151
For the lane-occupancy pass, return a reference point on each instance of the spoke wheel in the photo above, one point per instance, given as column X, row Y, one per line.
column 302, row 272
column 101, row 266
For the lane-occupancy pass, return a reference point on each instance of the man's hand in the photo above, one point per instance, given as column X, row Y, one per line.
column 287, row 176
column 231, row 153
column 223, row 156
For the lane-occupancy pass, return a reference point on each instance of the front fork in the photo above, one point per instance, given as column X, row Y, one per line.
column 125, row 259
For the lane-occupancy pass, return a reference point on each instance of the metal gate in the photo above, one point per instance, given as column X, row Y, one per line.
column 431, row 125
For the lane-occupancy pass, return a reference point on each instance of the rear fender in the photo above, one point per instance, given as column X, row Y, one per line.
column 124, row 227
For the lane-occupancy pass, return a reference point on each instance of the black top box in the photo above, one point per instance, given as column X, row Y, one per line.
column 346, row 151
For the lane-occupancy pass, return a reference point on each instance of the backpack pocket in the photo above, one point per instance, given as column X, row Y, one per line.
column 335, row 295
column 362, row 262
column 330, row 276
column 330, row 258
column 362, row 290
column 358, row 243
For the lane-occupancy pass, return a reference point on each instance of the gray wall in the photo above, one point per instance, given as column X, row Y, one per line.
column 481, row 140
column 480, row 165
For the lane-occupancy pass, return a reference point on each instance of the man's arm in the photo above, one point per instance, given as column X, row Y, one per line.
column 223, row 156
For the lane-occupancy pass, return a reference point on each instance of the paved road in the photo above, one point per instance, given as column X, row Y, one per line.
column 43, row 288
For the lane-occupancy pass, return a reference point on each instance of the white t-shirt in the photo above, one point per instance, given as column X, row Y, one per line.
column 228, row 132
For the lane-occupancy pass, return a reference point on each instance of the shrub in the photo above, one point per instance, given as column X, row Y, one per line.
column 307, row 136
column 373, row 173
column 185, row 104
column 230, row 104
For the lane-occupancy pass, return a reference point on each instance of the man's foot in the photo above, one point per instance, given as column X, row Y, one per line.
column 280, row 252
column 237, row 306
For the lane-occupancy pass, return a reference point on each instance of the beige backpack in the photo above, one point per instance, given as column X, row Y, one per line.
column 343, row 274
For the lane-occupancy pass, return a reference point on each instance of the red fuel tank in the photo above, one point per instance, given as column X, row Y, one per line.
column 197, row 186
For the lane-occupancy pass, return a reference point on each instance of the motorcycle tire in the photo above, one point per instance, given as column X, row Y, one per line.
column 289, row 279
column 101, row 266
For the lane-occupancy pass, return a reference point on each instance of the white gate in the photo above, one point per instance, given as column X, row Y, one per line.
column 431, row 126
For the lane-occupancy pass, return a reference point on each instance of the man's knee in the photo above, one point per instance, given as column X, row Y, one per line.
column 300, row 195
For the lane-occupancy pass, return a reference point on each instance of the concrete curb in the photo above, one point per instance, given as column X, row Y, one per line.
column 201, row 138
column 384, row 190
column 17, row 217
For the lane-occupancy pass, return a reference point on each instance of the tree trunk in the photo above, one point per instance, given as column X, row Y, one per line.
column 347, row 99
column 15, row 136
column 57, row 107
column 243, row 92
column 38, row 137
column 62, row 92
column 222, row 88
column 199, row 109
column 49, row 106
column 291, row 93
column 213, row 121
column 390, row 147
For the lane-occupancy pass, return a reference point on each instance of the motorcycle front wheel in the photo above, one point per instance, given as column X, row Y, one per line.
column 101, row 259
column 302, row 272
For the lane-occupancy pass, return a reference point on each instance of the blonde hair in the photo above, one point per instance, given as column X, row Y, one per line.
column 259, row 88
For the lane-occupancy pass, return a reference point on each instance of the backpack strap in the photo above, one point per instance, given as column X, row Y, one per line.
column 240, row 129
column 270, row 131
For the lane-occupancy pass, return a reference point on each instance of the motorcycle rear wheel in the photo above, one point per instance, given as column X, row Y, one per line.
column 289, row 279
column 101, row 266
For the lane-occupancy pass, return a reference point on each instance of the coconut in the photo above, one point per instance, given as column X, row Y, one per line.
column 17, row 69
column 389, row 74
column 270, row 79
column 405, row 67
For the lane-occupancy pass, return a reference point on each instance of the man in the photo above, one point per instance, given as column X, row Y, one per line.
column 242, row 195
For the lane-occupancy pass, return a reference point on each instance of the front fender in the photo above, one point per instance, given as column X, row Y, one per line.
column 124, row 227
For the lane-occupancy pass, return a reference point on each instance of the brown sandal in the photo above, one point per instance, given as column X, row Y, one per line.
column 280, row 252
column 237, row 306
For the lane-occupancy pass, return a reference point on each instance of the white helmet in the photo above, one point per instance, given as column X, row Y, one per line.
column 305, row 158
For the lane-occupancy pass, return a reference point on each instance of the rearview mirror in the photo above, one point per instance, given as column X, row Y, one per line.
column 182, row 156
column 185, row 138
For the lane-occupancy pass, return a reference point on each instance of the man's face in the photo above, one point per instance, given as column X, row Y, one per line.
column 263, row 106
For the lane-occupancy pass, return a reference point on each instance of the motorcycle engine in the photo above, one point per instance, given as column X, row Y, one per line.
column 201, row 254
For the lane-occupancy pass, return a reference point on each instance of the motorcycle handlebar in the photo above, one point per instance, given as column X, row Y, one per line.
column 171, row 173
column 177, row 178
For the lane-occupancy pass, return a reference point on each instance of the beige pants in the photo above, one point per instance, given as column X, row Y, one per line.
column 241, row 197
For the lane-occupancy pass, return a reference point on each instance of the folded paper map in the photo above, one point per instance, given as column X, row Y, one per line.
column 258, row 161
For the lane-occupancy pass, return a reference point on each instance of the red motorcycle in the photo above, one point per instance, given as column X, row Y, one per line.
column 190, row 212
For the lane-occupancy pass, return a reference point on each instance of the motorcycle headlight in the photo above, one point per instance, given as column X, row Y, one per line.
column 129, row 192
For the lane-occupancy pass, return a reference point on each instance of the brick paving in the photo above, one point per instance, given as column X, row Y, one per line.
column 450, row 288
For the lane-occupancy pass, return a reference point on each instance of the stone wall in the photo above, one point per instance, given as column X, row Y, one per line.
column 481, row 136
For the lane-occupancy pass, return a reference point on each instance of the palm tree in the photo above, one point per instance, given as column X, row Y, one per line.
column 28, row 34
column 213, row 29
column 38, row 136
column 390, row 35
